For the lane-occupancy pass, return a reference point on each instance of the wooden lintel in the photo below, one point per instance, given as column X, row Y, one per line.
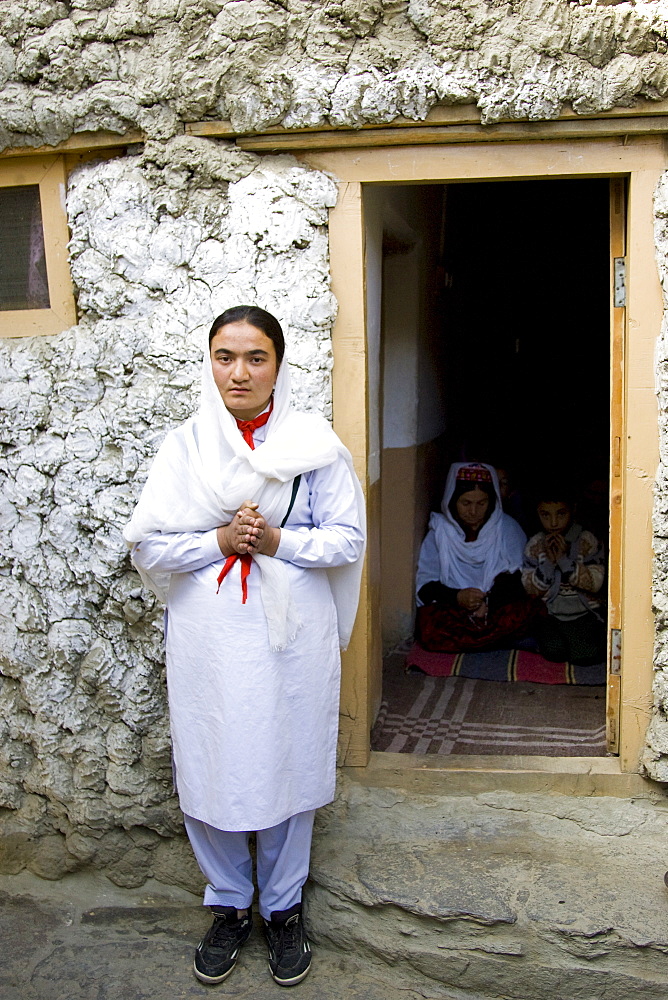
column 460, row 114
column 217, row 130
column 458, row 123
column 593, row 128
column 80, row 142
column 464, row 114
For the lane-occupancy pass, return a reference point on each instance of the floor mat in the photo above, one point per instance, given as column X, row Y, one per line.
column 460, row 715
column 504, row 665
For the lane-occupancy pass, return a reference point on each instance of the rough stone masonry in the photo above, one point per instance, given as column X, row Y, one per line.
column 153, row 64
column 162, row 240
column 161, row 243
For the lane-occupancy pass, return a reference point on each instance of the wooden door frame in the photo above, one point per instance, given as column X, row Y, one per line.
column 618, row 226
column 640, row 161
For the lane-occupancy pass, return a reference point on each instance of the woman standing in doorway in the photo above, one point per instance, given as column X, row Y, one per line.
column 251, row 527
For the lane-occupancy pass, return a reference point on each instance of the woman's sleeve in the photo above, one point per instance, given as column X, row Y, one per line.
column 429, row 567
column 178, row 552
column 437, row 593
column 516, row 541
column 507, row 587
column 337, row 535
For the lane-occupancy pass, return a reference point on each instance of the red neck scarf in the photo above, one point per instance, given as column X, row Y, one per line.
column 247, row 428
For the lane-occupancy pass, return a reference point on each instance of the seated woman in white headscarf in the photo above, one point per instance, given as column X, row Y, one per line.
column 251, row 527
column 469, row 589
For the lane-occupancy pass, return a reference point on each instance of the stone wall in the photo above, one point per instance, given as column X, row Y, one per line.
column 153, row 64
column 161, row 243
column 655, row 757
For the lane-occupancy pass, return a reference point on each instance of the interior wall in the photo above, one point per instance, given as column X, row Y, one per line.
column 399, row 492
column 373, row 250
column 404, row 236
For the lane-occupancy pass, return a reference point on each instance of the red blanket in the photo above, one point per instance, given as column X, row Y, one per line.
column 503, row 665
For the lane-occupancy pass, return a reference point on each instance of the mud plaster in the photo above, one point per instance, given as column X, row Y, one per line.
column 161, row 243
column 119, row 64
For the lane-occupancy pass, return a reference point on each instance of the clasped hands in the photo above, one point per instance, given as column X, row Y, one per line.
column 248, row 532
column 471, row 599
column 555, row 546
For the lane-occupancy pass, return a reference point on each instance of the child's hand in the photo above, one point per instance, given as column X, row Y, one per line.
column 555, row 546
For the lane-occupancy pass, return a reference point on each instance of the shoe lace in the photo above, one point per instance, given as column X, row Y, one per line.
column 222, row 933
column 292, row 935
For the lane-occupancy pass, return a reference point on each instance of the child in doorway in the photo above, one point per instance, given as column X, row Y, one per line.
column 564, row 564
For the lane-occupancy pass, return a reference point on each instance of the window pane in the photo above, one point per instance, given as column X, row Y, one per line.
column 23, row 281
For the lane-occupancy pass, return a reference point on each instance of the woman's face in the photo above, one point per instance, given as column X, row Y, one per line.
column 243, row 361
column 472, row 508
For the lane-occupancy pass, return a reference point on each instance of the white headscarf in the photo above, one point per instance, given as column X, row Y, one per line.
column 204, row 470
column 498, row 548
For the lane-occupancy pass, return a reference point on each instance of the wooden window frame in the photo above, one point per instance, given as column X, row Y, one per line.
column 48, row 172
column 639, row 161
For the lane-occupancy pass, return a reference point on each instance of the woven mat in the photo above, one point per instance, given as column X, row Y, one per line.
column 460, row 715
column 503, row 665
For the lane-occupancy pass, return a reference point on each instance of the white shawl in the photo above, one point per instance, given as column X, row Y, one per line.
column 204, row 470
column 498, row 548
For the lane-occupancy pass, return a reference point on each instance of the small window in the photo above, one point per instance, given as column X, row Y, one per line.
column 23, row 280
column 35, row 288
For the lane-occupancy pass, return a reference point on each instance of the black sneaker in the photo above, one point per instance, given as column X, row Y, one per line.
column 289, row 950
column 216, row 954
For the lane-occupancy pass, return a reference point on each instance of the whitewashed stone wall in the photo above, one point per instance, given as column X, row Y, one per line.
column 161, row 243
column 655, row 757
column 153, row 64
column 164, row 240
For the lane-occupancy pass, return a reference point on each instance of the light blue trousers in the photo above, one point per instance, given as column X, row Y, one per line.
column 283, row 854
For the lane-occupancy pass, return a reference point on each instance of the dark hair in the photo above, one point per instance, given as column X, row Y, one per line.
column 467, row 486
column 256, row 317
column 555, row 491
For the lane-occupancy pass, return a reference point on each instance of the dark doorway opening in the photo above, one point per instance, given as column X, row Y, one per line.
column 527, row 325
column 507, row 338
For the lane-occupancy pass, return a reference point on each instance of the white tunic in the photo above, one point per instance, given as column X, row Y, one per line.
column 254, row 730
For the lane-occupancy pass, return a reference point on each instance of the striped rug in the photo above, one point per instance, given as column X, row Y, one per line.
column 503, row 665
column 461, row 715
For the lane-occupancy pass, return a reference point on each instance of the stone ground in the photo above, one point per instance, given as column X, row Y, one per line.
column 414, row 893
column 85, row 939
column 502, row 894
